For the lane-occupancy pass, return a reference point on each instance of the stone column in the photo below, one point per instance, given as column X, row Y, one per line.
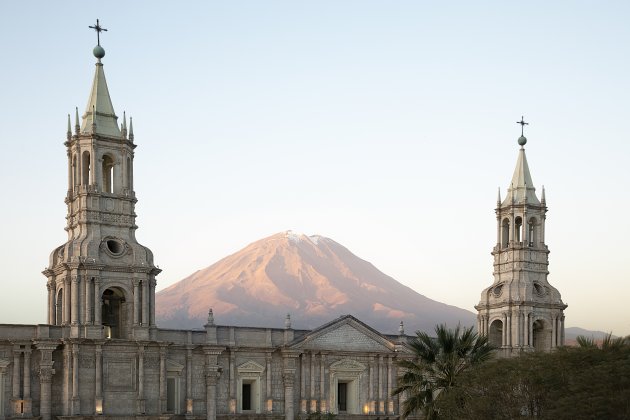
column 162, row 407
column 390, row 403
column 505, row 328
column 27, row 382
column 136, row 301
column 288, row 378
column 98, row 391
column 312, row 376
column 531, row 329
column 371, row 402
column 66, row 301
column 76, row 407
column 98, row 302
column 303, row 396
column 553, row 331
column 145, row 303
column 152, row 284
column 140, row 398
column 562, row 330
column 88, row 317
column 322, row 383
column 46, row 372
column 189, row 398
column 509, row 330
column 232, row 384
column 51, row 303
column 268, row 382
column 74, row 300
column 16, row 375
column 212, row 377
column 381, row 384
column 81, row 286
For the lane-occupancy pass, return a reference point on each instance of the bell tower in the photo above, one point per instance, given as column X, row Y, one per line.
column 101, row 282
column 521, row 310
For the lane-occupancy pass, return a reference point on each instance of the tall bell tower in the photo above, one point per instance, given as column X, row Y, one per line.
column 521, row 310
column 101, row 282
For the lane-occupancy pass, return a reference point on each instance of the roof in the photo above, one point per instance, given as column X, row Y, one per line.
column 100, row 103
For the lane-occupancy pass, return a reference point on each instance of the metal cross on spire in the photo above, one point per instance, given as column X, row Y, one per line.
column 98, row 28
column 522, row 123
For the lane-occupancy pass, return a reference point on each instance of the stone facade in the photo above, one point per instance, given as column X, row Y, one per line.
column 521, row 311
column 101, row 354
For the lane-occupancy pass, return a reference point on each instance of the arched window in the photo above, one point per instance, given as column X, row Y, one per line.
column 86, row 168
column 518, row 226
column 108, row 174
column 59, row 307
column 532, row 234
column 113, row 313
column 495, row 335
column 505, row 233
column 539, row 336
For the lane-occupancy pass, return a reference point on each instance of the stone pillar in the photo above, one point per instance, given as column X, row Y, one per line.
column 66, row 301
column 303, row 395
column 371, row 404
column 390, row 403
column 136, row 302
column 562, row 330
column 98, row 391
column 16, row 374
column 288, row 379
column 51, row 302
column 152, row 284
column 312, row 376
column 76, row 406
column 322, row 383
column 505, row 329
column 140, row 398
column 81, row 286
column 46, row 372
column 88, row 317
column 27, row 382
column 98, row 302
column 531, row 329
column 162, row 407
column 145, row 303
column 268, row 382
column 212, row 377
column 509, row 330
column 553, row 331
column 232, row 384
column 74, row 300
column 189, row 398
column 381, row 403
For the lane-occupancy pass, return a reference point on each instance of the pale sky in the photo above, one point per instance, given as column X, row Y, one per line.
column 386, row 126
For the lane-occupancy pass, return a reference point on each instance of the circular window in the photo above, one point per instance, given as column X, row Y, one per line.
column 497, row 290
column 114, row 247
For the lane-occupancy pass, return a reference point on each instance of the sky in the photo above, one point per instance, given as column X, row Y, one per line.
column 385, row 125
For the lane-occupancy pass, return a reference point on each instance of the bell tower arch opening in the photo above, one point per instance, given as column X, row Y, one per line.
column 505, row 233
column 108, row 174
column 114, row 313
column 540, row 336
column 86, row 168
column 495, row 335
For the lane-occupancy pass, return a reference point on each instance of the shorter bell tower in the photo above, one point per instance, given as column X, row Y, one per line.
column 521, row 310
column 101, row 282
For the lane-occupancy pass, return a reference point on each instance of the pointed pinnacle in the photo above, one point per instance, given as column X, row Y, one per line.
column 77, row 126
column 69, row 133
column 287, row 322
column 499, row 197
column 543, row 199
column 131, row 128
column 401, row 328
column 123, row 126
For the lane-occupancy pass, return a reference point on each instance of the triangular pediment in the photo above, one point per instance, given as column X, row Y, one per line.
column 250, row 366
column 344, row 334
column 172, row 366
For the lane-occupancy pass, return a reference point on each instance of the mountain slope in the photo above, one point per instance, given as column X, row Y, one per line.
column 314, row 278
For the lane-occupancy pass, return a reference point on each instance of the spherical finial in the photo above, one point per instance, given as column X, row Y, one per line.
column 99, row 52
column 522, row 140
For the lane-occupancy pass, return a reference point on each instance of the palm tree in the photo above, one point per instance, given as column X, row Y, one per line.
column 437, row 363
column 609, row 343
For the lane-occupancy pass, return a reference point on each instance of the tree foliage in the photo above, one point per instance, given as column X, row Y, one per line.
column 437, row 364
column 588, row 382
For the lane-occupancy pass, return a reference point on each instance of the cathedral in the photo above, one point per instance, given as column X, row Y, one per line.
column 100, row 352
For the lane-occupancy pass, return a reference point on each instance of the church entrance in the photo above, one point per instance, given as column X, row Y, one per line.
column 113, row 313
